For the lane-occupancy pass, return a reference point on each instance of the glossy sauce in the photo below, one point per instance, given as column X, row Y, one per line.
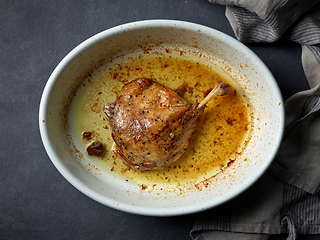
column 220, row 134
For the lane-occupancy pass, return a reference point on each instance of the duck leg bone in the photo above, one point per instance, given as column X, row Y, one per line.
column 220, row 89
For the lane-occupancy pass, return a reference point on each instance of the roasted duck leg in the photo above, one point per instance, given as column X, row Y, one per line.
column 152, row 124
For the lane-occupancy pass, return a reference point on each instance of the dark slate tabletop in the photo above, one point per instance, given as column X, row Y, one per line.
column 36, row 202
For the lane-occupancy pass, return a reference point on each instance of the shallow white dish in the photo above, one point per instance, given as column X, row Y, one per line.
column 243, row 65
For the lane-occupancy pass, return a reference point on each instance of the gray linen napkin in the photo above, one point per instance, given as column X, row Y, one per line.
column 287, row 198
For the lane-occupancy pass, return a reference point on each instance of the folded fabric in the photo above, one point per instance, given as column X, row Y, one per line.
column 287, row 198
column 269, row 207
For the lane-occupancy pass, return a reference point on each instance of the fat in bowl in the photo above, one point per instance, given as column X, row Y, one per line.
column 220, row 135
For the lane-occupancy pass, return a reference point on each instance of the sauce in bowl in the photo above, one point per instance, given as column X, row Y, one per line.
column 221, row 133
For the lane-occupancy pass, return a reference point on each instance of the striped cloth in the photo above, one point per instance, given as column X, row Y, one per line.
column 286, row 200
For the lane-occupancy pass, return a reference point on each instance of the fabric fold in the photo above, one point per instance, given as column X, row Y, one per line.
column 287, row 198
column 297, row 160
column 265, row 21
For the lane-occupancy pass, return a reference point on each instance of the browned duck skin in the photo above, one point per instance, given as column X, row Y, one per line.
column 152, row 124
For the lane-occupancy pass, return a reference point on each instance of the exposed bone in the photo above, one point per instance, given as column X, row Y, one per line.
column 220, row 89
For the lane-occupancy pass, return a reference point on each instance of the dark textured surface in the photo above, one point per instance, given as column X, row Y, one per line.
column 36, row 202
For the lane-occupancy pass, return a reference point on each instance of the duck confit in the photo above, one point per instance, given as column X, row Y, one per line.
column 153, row 124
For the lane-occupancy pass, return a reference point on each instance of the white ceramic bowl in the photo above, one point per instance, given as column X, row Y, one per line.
column 244, row 66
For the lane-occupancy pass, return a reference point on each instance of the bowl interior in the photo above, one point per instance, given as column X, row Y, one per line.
column 233, row 57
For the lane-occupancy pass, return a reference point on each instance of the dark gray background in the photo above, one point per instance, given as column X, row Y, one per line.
column 36, row 202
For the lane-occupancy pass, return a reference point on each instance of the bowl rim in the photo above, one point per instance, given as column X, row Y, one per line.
column 44, row 132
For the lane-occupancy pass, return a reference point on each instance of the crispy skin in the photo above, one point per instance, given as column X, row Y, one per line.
column 151, row 124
